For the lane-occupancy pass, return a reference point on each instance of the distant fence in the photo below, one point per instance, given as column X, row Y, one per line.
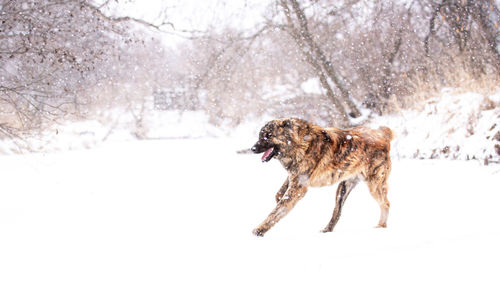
column 175, row 100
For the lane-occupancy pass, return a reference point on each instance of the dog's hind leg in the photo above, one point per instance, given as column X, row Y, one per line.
column 379, row 192
column 378, row 189
column 376, row 179
column 343, row 191
column 282, row 191
column 294, row 193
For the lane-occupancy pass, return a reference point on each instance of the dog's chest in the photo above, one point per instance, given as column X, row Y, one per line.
column 286, row 162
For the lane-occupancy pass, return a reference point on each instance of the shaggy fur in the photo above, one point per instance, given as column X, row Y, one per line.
column 315, row 156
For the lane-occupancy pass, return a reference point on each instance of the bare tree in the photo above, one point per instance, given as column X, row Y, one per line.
column 384, row 55
column 53, row 52
column 49, row 53
column 472, row 26
column 370, row 52
column 298, row 27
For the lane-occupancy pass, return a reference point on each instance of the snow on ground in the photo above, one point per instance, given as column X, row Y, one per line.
column 460, row 126
column 184, row 210
column 182, row 207
column 118, row 125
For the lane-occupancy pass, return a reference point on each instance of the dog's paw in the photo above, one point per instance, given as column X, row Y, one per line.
column 381, row 225
column 259, row 232
column 326, row 230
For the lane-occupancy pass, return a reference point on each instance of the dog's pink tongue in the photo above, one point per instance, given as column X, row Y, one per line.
column 267, row 153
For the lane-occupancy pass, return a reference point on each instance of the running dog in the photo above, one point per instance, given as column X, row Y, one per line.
column 314, row 156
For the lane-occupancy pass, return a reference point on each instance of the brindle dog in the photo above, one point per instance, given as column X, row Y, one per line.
column 315, row 156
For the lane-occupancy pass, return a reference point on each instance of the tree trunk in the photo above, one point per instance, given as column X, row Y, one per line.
column 317, row 58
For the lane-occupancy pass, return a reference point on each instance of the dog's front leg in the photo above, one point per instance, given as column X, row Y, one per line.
column 282, row 191
column 294, row 193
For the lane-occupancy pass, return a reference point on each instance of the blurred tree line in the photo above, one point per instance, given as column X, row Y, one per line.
column 70, row 58
column 373, row 55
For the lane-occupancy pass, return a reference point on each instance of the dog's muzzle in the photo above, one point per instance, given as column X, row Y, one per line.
column 255, row 149
column 269, row 152
column 259, row 147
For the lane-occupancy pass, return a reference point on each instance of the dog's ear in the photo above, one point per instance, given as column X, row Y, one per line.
column 287, row 123
column 326, row 136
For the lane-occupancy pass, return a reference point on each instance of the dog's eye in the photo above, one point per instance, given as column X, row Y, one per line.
column 268, row 136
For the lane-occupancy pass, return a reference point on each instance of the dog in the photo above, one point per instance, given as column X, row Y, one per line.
column 314, row 156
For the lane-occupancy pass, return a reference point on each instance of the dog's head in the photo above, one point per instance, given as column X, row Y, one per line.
column 275, row 138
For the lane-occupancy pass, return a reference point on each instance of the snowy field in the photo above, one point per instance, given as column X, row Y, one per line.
column 185, row 209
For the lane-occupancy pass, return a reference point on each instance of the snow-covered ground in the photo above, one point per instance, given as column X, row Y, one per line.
column 184, row 210
column 455, row 125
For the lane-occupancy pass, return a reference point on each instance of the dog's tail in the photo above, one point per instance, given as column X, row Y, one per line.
column 388, row 133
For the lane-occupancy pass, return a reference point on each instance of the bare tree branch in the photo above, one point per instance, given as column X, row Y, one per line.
column 311, row 48
column 98, row 11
